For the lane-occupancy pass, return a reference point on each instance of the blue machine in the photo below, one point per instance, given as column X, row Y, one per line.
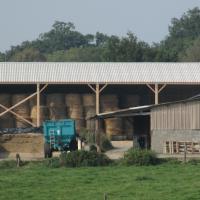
column 59, row 135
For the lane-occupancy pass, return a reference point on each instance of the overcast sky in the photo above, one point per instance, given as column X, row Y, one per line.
column 22, row 20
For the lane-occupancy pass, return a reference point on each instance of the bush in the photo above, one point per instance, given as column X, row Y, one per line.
column 139, row 157
column 84, row 159
column 52, row 162
column 105, row 143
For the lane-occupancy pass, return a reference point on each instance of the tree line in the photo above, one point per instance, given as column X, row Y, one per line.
column 63, row 43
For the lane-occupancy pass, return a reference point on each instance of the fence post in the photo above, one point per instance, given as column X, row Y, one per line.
column 185, row 149
column 105, row 196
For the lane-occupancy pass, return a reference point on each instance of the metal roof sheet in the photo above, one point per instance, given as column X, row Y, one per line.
column 113, row 73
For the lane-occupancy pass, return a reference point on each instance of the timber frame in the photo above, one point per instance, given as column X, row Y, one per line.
column 156, row 89
column 37, row 93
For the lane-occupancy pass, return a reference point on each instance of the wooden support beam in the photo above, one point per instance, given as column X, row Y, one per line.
column 97, row 98
column 149, row 86
column 18, row 116
column 156, row 93
column 103, row 88
column 22, row 101
column 162, row 88
column 97, row 121
column 92, row 88
column 38, row 105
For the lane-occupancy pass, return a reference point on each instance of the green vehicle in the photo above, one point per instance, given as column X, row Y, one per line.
column 59, row 135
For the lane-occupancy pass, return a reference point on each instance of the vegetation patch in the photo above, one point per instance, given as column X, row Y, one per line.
column 139, row 157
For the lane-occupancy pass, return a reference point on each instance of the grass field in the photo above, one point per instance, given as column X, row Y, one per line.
column 162, row 182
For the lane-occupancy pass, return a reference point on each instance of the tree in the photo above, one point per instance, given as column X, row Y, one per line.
column 126, row 49
column 62, row 37
column 192, row 54
column 182, row 33
column 28, row 55
column 2, row 57
column 86, row 54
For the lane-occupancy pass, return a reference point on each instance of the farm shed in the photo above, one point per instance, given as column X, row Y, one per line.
column 176, row 126
column 33, row 92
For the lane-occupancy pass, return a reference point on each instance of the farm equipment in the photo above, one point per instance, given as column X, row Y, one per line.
column 59, row 135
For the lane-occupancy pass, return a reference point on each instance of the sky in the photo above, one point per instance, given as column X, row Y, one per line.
column 22, row 20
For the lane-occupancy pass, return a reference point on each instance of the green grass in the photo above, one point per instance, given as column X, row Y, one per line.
column 161, row 182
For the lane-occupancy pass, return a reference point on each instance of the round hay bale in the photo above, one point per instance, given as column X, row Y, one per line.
column 23, row 109
column 79, row 124
column 128, row 127
column 19, row 123
column 33, row 101
column 7, row 123
column 109, row 102
column 89, row 100
column 73, row 99
column 113, row 127
column 44, row 114
column 75, row 112
column 5, row 100
column 55, row 100
column 90, row 111
column 57, row 112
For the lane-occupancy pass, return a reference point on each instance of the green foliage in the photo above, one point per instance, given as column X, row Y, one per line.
column 139, row 157
column 86, row 54
column 28, row 55
column 105, row 143
column 126, row 49
column 182, row 33
column 84, row 159
column 192, row 53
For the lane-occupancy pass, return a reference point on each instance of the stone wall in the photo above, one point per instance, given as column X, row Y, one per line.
column 158, row 137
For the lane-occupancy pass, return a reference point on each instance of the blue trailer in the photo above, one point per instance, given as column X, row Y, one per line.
column 59, row 135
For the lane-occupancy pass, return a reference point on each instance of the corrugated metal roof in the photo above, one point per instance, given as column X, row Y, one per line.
column 113, row 73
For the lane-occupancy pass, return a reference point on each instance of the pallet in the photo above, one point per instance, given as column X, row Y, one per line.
column 179, row 147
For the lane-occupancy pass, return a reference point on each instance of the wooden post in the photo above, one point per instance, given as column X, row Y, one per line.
column 38, row 105
column 97, row 121
column 156, row 93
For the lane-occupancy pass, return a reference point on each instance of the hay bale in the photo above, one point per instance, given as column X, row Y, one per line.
column 57, row 112
column 73, row 99
column 89, row 100
column 22, row 143
column 7, row 123
column 33, row 101
column 109, row 103
column 79, row 124
column 5, row 100
column 89, row 112
column 113, row 128
column 55, row 100
column 75, row 112
column 22, row 110
column 44, row 114
column 128, row 127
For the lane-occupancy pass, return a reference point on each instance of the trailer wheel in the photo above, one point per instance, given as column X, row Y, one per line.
column 73, row 145
column 47, row 150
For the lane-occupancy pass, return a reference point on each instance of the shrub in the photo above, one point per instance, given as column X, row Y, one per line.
column 105, row 143
column 84, row 158
column 139, row 157
column 52, row 162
